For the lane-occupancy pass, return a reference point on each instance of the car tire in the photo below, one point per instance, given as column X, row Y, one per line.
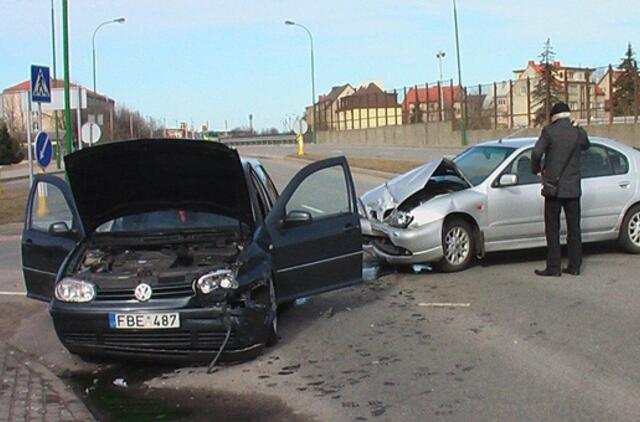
column 458, row 245
column 272, row 338
column 266, row 296
column 630, row 230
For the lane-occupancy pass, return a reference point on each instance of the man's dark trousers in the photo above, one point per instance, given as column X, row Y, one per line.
column 552, row 207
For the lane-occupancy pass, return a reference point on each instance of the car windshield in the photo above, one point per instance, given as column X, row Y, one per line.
column 478, row 163
column 169, row 220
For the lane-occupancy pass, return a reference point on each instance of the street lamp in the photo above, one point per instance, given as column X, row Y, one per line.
column 93, row 43
column 463, row 129
column 440, row 55
column 313, row 80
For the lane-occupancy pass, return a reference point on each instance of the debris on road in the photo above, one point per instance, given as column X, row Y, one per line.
column 120, row 382
column 329, row 313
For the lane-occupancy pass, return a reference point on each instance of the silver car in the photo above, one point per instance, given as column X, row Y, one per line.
column 486, row 199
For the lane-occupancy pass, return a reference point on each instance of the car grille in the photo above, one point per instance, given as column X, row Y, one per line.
column 164, row 291
column 137, row 341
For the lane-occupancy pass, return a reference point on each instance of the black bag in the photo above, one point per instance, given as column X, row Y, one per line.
column 550, row 187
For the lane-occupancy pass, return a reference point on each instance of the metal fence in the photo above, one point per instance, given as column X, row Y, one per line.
column 590, row 93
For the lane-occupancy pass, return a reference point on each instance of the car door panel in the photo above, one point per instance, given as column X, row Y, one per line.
column 325, row 253
column 43, row 252
column 604, row 193
column 516, row 213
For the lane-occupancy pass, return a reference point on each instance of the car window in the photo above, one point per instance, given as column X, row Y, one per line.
column 261, row 195
column 268, row 184
column 595, row 162
column 521, row 167
column 478, row 163
column 322, row 194
column 49, row 206
column 619, row 162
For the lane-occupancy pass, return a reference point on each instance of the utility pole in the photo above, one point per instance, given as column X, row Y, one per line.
column 440, row 55
column 463, row 129
column 53, row 86
column 67, row 93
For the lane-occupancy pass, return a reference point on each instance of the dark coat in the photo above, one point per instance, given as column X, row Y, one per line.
column 557, row 143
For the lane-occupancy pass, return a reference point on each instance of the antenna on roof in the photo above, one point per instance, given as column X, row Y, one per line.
column 522, row 129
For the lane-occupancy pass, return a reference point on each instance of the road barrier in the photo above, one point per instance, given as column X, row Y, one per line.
column 286, row 139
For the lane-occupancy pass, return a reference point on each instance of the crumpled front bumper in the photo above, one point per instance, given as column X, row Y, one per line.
column 403, row 246
column 84, row 329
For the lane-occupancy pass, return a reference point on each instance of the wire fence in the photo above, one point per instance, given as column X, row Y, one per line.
column 592, row 94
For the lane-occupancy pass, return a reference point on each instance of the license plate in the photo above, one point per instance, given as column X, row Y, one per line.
column 144, row 321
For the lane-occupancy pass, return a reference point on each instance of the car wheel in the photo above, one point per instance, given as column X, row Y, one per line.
column 458, row 245
column 266, row 296
column 630, row 230
column 273, row 316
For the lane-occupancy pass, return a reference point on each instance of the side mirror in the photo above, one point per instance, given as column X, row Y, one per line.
column 297, row 218
column 59, row 228
column 508, row 180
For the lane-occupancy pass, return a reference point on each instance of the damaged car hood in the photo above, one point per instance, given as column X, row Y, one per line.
column 394, row 192
column 123, row 178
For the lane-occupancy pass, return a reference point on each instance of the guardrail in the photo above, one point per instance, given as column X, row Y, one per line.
column 261, row 140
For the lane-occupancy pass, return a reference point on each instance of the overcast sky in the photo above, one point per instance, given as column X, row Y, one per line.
column 213, row 60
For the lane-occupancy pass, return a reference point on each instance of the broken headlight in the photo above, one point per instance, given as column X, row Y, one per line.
column 74, row 290
column 399, row 219
column 224, row 279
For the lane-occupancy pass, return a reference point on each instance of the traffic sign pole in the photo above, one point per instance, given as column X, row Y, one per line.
column 29, row 143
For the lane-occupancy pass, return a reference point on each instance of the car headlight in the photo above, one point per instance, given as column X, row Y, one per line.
column 73, row 290
column 399, row 219
column 225, row 279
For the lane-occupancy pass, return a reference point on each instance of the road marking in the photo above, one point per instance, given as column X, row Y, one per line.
column 445, row 305
column 312, row 209
column 13, row 293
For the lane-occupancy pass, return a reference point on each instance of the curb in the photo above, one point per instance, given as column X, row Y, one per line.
column 71, row 405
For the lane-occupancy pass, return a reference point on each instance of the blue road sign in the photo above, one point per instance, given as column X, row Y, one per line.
column 40, row 84
column 44, row 149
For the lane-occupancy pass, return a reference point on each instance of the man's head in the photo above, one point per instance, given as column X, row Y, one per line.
column 560, row 111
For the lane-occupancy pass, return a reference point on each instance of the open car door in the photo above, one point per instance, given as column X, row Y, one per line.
column 314, row 231
column 51, row 231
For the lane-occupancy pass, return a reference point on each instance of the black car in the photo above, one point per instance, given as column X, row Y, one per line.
column 178, row 249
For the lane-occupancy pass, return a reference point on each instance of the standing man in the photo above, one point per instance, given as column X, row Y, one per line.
column 560, row 144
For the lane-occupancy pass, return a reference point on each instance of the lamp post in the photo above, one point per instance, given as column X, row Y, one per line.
column 440, row 55
column 463, row 129
column 93, row 44
column 313, row 80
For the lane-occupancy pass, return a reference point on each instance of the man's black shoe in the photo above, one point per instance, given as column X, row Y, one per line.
column 548, row 273
column 571, row 271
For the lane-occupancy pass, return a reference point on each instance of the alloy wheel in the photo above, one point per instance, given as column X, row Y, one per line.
column 633, row 229
column 457, row 245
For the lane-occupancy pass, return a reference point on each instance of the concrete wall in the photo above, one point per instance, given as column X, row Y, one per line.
column 441, row 135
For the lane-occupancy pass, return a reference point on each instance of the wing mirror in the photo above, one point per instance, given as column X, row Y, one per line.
column 508, row 180
column 297, row 218
column 59, row 228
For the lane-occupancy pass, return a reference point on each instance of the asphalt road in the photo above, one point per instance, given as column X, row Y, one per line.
column 526, row 348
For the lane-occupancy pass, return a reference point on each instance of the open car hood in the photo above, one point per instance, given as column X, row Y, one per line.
column 384, row 198
column 131, row 177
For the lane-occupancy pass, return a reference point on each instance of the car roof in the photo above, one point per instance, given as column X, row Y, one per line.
column 530, row 141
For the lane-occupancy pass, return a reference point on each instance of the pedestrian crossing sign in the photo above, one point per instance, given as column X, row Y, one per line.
column 40, row 84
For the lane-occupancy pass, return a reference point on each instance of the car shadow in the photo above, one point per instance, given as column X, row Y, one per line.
column 539, row 254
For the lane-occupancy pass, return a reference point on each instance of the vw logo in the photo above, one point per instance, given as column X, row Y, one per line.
column 143, row 292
